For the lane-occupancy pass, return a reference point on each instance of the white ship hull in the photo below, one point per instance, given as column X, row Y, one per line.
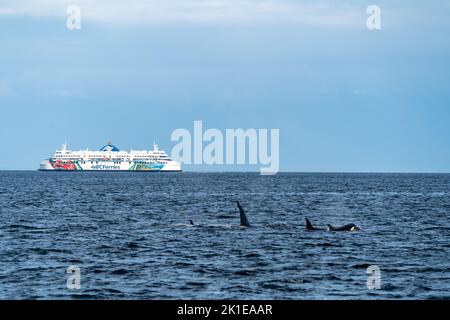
column 46, row 165
column 109, row 158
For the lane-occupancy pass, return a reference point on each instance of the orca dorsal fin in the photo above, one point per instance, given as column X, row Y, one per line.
column 330, row 227
column 244, row 220
column 309, row 225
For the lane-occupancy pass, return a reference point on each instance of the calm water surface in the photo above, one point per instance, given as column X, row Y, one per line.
column 128, row 233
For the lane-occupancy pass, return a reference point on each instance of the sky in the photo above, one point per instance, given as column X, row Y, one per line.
column 345, row 98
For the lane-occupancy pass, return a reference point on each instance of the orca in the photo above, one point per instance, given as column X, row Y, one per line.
column 347, row 227
column 244, row 220
column 310, row 227
column 191, row 223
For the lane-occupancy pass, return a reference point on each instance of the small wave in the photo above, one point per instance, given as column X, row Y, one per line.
column 361, row 266
column 327, row 244
column 278, row 226
column 223, row 216
column 26, row 227
column 245, row 273
column 105, row 247
column 272, row 286
column 137, row 204
column 132, row 245
column 422, row 287
column 120, row 272
column 220, row 226
column 113, row 291
column 295, row 281
column 85, row 296
column 196, row 284
column 388, row 287
column 438, row 297
column 182, row 264
column 181, row 225
column 97, row 271
column 44, row 251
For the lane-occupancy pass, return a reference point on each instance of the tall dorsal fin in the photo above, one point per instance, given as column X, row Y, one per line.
column 244, row 220
column 309, row 225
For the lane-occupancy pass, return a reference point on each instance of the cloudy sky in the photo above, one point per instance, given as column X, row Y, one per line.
column 344, row 98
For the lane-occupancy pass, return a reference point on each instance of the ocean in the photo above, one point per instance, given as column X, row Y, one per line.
column 129, row 237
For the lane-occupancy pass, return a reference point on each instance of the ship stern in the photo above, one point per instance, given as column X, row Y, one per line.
column 45, row 166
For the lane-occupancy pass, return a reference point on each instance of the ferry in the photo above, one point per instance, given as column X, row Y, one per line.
column 110, row 158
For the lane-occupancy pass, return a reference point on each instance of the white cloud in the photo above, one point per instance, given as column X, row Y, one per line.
column 203, row 11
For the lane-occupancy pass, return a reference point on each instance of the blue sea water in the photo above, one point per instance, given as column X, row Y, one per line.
column 128, row 234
